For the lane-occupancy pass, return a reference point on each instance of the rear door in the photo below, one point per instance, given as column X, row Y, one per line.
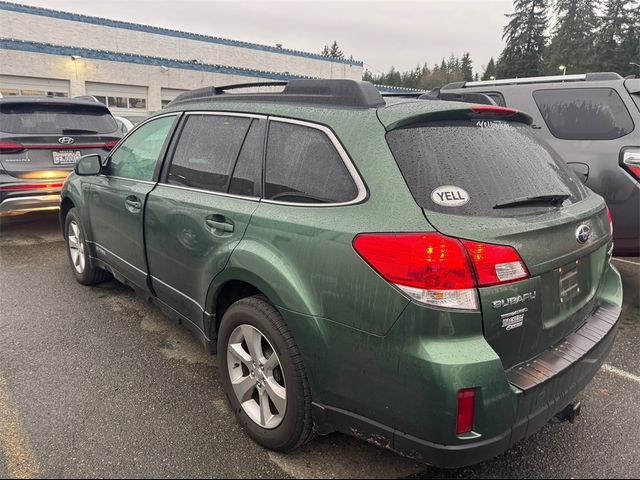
column 471, row 178
column 41, row 138
column 117, row 198
column 197, row 215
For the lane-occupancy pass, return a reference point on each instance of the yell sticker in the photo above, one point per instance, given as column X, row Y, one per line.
column 450, row 196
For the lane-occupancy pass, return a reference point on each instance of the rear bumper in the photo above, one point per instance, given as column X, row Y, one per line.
column 32, row 203
column 535, row 407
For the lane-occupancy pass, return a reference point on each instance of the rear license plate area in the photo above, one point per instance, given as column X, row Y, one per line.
column 66, row 157
column 569, row 282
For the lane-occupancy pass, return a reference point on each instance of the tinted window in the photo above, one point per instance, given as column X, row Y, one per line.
column 584, row 113
column 207, row 151
column 247, row 175
column 498, row 98
column 137, row 156
column 493, row 161
column 303, row 166
column 55, row 119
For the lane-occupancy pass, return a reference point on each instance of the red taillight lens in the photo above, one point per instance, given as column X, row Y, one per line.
column 439, row 270
column 493, row 111
column 495, row 264
column 110, row 144
column 466, row 410
column 610, row 221
column 11, row 147
column 32, row 186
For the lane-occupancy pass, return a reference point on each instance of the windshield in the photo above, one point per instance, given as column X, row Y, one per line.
column 470, row 167
column 55, row 119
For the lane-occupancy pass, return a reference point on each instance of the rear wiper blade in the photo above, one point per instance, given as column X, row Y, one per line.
column 77, row 131
column 554, row 199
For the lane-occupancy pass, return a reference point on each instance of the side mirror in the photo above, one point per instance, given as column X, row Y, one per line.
column 89, row 165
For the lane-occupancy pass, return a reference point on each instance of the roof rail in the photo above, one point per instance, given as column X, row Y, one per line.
column 338, row 92
column 588, row 77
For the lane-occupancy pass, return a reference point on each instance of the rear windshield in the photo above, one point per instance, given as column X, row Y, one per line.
column 469, row 167
column 55, row 119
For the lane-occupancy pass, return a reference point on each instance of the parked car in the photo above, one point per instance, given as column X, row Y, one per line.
column 41, row 139
column 593, row 122
column 424, row 275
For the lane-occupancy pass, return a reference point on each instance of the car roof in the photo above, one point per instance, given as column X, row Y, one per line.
column 25, row 100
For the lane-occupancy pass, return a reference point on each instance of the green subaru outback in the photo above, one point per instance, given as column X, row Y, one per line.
column 421, row 274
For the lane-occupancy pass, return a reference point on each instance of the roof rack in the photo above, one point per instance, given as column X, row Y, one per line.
column 585, row 77
column 338, row 92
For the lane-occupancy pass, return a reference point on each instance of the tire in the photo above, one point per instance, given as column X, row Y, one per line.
column 285, row 431
column 78, row 253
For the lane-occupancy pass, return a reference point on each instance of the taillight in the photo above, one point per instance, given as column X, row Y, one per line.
column 610, row 221
column 631, row 161
column 495, row 264
column 437, row 270
column 493, row 110
column 11, row 147
column 466, row 410
column 110, row 144
column 32, row 186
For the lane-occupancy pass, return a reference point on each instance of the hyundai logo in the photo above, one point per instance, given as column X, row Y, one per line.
column 66, row 140
column 583, row 233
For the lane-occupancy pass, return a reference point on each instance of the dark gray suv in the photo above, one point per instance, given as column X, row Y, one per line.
column 593, row 122
column 41, row 139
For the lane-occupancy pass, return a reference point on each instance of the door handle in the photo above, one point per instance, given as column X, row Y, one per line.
column 219, row 222
column 133, row 204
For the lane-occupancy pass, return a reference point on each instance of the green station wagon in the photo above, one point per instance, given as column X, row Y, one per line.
column 421, row 274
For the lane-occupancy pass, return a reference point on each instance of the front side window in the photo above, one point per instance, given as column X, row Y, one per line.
column 584, row 113
column 303, row 166
column 207, row 151
column 136, row 158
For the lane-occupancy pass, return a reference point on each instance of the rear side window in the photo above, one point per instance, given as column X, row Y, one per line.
column 55, row 119
column 303, row 166
column 246, row 179
column 206, row 152
column 584, row 113
column 496, row 97
column 469, row 167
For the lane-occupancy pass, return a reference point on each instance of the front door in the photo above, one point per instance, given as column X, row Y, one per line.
column 117, row 199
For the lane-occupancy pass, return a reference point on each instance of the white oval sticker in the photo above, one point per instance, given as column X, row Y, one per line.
column 450, row 196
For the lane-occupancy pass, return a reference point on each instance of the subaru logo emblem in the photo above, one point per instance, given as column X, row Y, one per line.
column 66, row 140
column 583, row 233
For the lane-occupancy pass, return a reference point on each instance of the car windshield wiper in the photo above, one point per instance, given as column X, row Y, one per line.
column 77, row 131
column 553, row 199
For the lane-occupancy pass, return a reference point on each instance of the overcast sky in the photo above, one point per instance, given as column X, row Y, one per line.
column 381, row 32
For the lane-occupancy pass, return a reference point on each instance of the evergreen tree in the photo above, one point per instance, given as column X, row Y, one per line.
column 617, row 25
column 490, row 71
column 525, row 37
column 335, row 51
column 466, row 67
column 325, row 51
column 572, row 42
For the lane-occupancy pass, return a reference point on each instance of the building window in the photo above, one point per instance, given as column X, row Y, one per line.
column 118, row 102
column 7, row 92
column 138, row 103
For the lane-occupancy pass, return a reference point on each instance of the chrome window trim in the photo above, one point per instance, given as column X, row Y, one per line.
column 219, row 113
column 348, row 163
column 146, row 182
column 156, row 279
column 209, row 192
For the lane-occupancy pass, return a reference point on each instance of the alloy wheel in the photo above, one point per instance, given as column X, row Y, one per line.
column 76, row 246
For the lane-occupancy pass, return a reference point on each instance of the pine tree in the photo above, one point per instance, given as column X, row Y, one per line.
column 325, row 51
column 490, row 71
column 466, row 66
column 617, row 25
column 525, row 37
column 335, row 51
column 572, row 42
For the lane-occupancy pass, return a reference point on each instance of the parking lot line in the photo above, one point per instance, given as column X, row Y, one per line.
column 626, row 261
column 621, row 373
column 15, row 446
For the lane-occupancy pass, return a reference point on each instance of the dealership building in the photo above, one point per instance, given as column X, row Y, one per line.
column 136, row 69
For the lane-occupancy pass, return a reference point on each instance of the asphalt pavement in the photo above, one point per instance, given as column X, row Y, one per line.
column 95, row 382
